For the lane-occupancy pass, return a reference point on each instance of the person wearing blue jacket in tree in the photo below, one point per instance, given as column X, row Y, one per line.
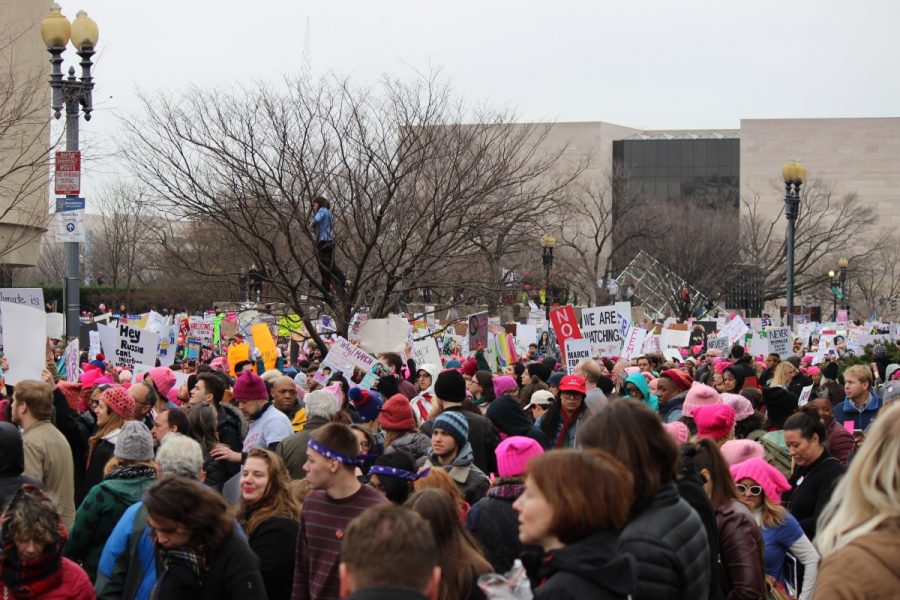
column 127, row 567
column 862, row 403
column 636, row 387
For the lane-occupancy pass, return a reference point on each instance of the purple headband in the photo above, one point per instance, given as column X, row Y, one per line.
column 395, row 472
column 331, row 454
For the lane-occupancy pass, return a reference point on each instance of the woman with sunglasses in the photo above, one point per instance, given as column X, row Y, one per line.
column 759, row 487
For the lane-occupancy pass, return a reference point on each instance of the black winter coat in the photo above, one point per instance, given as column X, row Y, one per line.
column 669, row 542
column 811, row 489
column 506, row 413
column 591, row 568
column 93, row 475
column 481, row 435
column 274, row 542
column 691, row 492
column 12, row 464
column 494, row 523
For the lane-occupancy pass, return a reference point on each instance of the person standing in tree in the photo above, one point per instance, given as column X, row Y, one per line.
column 322, row 224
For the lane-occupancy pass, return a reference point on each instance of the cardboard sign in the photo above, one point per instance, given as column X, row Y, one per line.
column 384, row 335
column 634, row 342
column 56, row 323
column 426, row 352
column 343, row 356
column 735, row 330
column 602, row 326
column 805, row 393
column 262, row 340
column 33, row 297
column 780, row 341
column 71, row 356
column 126, row 345
column 722, row 344
column 576, row 351
column 478, row 330
column 676, row 335
column 25, row 349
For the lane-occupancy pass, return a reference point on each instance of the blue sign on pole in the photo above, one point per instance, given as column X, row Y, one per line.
column 67, row 204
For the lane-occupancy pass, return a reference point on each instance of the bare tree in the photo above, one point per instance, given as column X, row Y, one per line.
column 877, row 280
column 410, row 185
column 828, row 227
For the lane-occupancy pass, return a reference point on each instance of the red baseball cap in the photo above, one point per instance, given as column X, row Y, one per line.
column 572, row 383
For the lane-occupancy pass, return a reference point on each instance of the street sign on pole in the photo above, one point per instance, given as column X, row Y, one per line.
column 70, row 220
column 68, row 173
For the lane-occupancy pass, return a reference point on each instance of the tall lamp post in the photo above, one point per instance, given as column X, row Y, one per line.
column 842, row 263
column 793, row 173
column 834, row 295
column 548, row 243
column 76, row 95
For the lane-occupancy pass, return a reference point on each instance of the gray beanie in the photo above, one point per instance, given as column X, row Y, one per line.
column 134, row 442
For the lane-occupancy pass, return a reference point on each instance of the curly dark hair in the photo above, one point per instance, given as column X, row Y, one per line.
column 201, row 510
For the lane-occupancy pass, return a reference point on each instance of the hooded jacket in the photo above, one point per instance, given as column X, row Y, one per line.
column 293, row 448
column 592, row 568
column 640, row 382
column 507, row 415
column 482, row 437
column 417, row 444
column 864, row 568
column 861, row 417
column 12, row 463
column 422, row 403
column 670, row 411
column 97, row 517
column 470, row 480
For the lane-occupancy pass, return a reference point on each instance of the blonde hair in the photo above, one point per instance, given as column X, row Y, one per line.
column 782, row 376
column 772, row 515
column 869, row 494
column 115, row 462
column 861, row 372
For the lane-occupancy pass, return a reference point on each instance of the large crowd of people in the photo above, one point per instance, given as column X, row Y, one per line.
column 709, row 478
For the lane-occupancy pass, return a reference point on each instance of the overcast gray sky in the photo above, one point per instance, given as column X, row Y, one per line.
column 651, row 63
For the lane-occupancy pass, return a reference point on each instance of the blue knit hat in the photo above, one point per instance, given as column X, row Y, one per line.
column 454, row 424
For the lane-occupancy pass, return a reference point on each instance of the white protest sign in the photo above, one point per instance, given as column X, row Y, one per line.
column 780, row 341
column 490, row 352
column 675, row 338
column 672, row 354
column 168, row 344
column 71, row 357
column 805, row 393
column 383, row 335
column 600, row 325
column 634, row 342
column 345, row 357
column 759, row 346
column 576, row 351
column 537, row 319
column 527, row 334
column 94, row 348
column 426, row 352
column 32, row 297
column 56, row 324
column 478, row 331
column 25, row 349
column 126, row 346
column 651, row 344
column 200, row 330
column 735, row 330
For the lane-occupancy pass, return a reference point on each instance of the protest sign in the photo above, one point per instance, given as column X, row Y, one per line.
column 780, row 341
column 262, row 340
column 56, row 323
column 843, row 316
column 343, row 356
column 139, row 371
column 236, row 354
column 426, row 352
column 193, row 350
column 723, row 344
column 71, row 356
column 478, row 330
column 126, row 345
column 805, row 393
column 168, row 345
column 228, row 327
column 200, row 330
column 93, row 343
column 600, row 325
column 383, row 335
column 676, row 335
column 735, row 330
column 537, row 319
column 634, row 342
column 651, row 344
column 31, row 297
column 526, row 334
column 672, row 354
column 26, row 350
column 576, row 351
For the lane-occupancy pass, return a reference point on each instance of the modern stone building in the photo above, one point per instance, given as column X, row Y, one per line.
column 25, row 160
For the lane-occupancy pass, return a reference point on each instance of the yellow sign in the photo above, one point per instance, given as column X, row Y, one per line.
column 236, row 354
column 262, row 339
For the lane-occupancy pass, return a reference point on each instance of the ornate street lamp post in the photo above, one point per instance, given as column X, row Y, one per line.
column 842, row 263
column 793, row 174
column 548, row 243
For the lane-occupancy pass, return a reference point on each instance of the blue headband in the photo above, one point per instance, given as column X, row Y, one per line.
column 331, row 454
column 399, row 473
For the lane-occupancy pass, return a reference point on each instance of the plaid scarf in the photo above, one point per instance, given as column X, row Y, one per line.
column 506, row 489
column 183, row 570
column 34, row 578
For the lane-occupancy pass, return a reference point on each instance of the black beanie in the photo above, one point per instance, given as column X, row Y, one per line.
column 830, row 371
column 539, row 370
column 450, row 386
column 605, row 384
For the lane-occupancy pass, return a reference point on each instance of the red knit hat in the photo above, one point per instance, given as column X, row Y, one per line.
column 397, row 414
column 120, row 401
column 249, row 386
column 681, row 379
column 714, row 421
column 469, row 367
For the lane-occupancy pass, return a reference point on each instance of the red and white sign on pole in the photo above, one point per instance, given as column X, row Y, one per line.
column 68, row 173
column 565, row 324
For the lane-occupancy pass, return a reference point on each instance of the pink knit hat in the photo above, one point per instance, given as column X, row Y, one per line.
column 813, row 371
column 768, row 477
column 699, row 395
column 119, row 401
column 163, row 378
column 679, row 431
column 714, row 421
column 503, row 384
column 737, row 451
column 742, row 407
column 249, row 386
column 513, row 455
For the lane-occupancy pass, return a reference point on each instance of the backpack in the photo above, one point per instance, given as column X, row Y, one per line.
column 777, row 453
